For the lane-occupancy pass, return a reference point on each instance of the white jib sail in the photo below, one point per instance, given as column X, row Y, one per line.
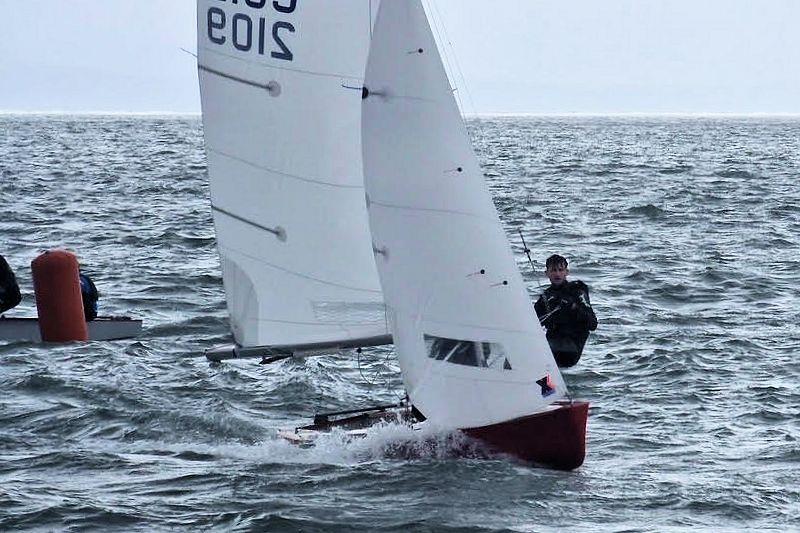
column 468, row 341
column 283, row 139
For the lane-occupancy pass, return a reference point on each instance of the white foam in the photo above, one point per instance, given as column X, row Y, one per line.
column 381, row 442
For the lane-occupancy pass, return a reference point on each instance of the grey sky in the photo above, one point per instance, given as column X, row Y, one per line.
column 535, row 56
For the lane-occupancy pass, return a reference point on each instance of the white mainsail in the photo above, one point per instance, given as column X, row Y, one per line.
column 469, row 345
column 282, row 136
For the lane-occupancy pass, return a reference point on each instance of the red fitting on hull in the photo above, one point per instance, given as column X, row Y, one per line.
column 58, row 297
column 554, row 438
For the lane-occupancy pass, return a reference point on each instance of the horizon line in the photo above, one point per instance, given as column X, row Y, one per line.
column 499, row 114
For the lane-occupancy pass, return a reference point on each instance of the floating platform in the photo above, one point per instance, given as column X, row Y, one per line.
column 104, row 328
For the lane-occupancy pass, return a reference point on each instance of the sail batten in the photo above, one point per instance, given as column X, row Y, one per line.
column 244, row 81
column 273, row 231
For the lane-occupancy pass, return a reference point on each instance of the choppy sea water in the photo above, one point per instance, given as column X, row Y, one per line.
column 686, row 229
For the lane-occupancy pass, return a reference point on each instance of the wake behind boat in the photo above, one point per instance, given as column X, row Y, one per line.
column 554, row 438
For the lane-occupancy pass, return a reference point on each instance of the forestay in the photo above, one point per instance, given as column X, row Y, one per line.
column 470, row 348
column 282, row 134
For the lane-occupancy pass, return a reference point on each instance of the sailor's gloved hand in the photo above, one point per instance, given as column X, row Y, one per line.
column 566, row 304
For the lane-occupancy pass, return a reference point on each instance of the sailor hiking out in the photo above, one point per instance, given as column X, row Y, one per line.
column 565, row 311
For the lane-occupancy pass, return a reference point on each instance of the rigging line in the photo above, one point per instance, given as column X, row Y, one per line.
column 404, row 400
column 528, row 253
column 446, row 57
column 386, row 363
column 439, row 23
column 360, row 371
column 375, row 375
column 455, row 60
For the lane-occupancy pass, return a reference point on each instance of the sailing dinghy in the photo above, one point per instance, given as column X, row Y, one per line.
column 472, row 353
column 299, row 247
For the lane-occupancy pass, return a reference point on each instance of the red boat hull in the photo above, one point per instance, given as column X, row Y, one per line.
column 555, row 438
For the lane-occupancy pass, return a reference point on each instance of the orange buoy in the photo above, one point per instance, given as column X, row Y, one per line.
column 58, row 297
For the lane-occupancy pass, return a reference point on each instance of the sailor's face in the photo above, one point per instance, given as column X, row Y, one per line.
column 557, row 274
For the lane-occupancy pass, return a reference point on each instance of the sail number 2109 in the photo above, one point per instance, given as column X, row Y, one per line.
column 246, row 32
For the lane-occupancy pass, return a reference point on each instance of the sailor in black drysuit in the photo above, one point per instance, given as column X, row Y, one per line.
column 565, row 311
column 89, row 295
column 9, row 290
